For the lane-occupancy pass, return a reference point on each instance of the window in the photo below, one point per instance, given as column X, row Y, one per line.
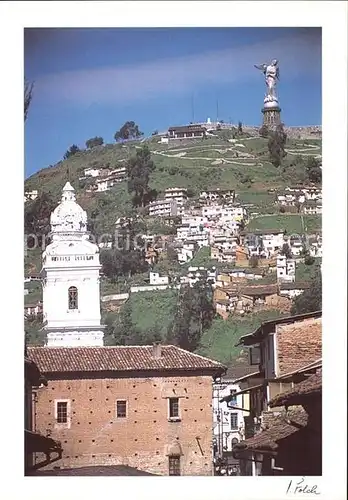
column 234, row 398
column 62, row 412
column 121, row 409
column 234, row 420
column 73, row 297
column 174, row 466
column 173, row 407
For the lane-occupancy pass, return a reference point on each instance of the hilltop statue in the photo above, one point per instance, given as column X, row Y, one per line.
column 271, row 72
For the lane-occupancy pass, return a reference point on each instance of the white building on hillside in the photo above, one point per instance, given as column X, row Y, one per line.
column 31, row 195
column 71, row 289
column 286, row 269
column 163, row 208
column 177, row 194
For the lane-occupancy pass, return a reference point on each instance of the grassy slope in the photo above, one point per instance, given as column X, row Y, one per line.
column 291, row 222
column 172, row 171
column 219, row 342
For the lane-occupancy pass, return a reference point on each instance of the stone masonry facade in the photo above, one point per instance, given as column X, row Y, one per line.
column 146, row 437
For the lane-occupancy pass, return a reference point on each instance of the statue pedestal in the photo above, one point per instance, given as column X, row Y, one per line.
column 271, row 116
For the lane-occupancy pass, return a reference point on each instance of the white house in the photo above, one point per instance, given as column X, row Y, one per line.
column 31, row 195
column 177, row 194
column 156, row 279
column 218, row 194
column 270, row 241
column 71, row 278
column 292, row 290
column 286, row 269
column 92, row 172
column 186, row 251
column 33, row 309
column 312, row 207
column 163, row 208
column 228, row 417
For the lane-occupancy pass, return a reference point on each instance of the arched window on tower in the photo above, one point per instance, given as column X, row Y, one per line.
column 73, row 297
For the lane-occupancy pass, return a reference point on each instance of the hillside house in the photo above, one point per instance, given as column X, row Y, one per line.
column 97, row 403
column 219, row 195
column 115, row 176
column 293, row 289
column 315, row 246
column 286, row 268
column 34, row 309
column 283, row 351
column 156, row 279
column 265, row 242
column 191, row 131
column 177, row 194
column 312, row 207
column 296, row 246
column 92, row 172
column 31, row 195
column 163, row 208
column 290, row 199
column 186, row 251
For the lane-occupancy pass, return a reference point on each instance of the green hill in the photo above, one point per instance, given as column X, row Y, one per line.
column 199, row 164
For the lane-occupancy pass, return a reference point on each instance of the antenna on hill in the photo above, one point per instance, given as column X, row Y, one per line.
column 192, row 108
column 217, row 110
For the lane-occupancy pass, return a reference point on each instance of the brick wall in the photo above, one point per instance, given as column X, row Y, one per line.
column 298, row 344
column 142, row 439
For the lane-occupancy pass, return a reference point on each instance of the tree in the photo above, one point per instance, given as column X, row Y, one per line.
column 240, row 128
column 94, row 141
column 263, row 132
column 139, row 168
column 37, row 217
column 71, row 151
column 28, row 95
column 194, row 313
column 313, row 170
column 286, row 251
column 172, row 254
column 276, row 145
column 311, row 299
column 128, row 131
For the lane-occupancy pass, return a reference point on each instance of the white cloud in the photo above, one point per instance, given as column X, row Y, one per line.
column 300, row 54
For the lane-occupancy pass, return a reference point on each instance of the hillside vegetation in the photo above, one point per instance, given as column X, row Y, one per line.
column 242, row 165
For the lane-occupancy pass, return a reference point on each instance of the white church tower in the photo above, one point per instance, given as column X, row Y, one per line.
column 71, row 284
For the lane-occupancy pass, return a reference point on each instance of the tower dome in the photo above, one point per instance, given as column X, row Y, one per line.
column 68, row 217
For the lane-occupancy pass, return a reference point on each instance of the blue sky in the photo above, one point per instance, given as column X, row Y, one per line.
column 90, row 81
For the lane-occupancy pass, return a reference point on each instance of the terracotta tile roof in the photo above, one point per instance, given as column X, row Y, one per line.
column 259, row 290
column 298, row 344
column 119, row 358
column 297, row 285
column 279, row 428
column 310, row 387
